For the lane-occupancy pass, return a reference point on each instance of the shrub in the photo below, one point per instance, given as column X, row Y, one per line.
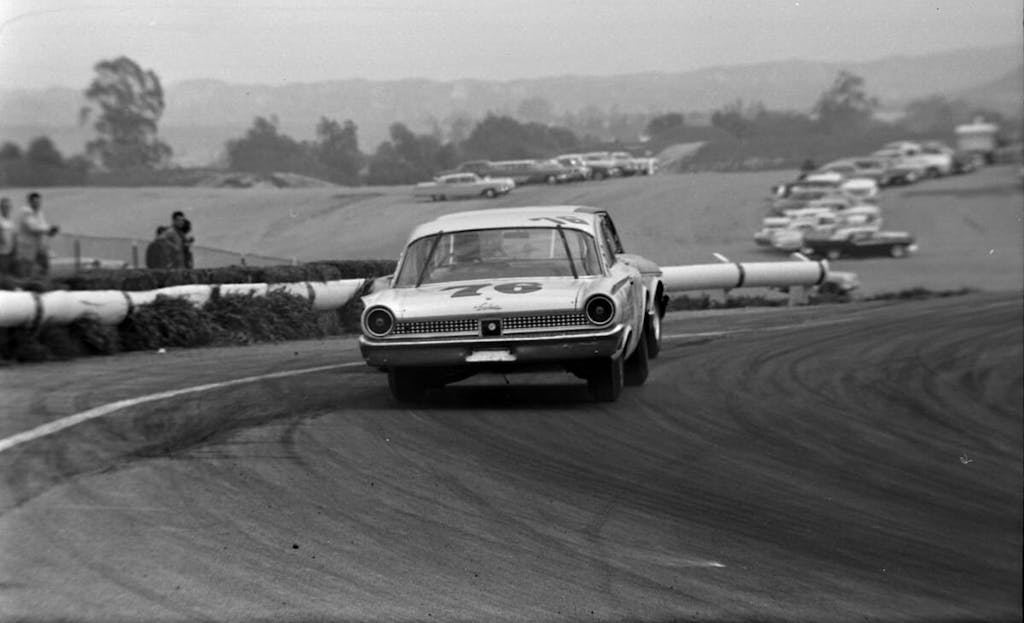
column 166, row 322
column 244, row 319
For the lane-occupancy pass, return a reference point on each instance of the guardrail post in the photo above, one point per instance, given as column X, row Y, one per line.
column 799, row 295
column 77, row 244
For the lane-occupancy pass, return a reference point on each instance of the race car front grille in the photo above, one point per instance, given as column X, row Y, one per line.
column 464, row 326
column 546, row 321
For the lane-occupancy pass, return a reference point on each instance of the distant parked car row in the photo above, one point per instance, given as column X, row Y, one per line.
column 562, row 168
column 491, row 178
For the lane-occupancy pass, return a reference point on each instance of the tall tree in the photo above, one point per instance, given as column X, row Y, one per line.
column 130, row 102
column 845, row 106
column 337, row 151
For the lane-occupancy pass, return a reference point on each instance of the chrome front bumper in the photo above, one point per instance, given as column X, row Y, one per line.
column 508, row 350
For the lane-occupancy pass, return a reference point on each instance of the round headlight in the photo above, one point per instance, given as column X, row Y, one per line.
column 379, row 321
column 600, row 309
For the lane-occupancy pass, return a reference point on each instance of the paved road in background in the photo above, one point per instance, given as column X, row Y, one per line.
column 829, row 464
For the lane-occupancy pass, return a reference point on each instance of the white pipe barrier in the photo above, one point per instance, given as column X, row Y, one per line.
column 112, row 306
column 726, row 276
column 18, row 308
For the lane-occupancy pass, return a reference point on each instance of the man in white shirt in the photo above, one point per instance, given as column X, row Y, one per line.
column 34, row 233
column 8, row 237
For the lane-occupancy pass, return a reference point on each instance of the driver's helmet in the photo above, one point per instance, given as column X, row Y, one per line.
column 466, row 247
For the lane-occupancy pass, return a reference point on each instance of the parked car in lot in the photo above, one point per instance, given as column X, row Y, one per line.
column 579, row 171
column 462, row 185
column 902, row 169
column 791, row 237
column 531, row 171
column 860, row 244
column 602, row 165
column 875, row 169
column 515, row 289
column 480, row 167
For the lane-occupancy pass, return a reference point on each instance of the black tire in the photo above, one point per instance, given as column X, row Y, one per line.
column 833, row 254
column 441, row 198
column 405, row 384
column 606, row 379
column 551, row 179
column 600, row 174
column 490, row 194
column 898, row 251
column 652, row 332
column 635, row 369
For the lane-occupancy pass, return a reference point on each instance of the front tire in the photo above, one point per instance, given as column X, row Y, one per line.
column 652, row 332
column 490, row 193
column 636, row 369
column 833, row 254
column 405, row 385
column 898, row 251
column 606, row 379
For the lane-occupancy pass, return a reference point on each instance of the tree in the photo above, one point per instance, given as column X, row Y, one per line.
column 10, row 151
column 737, row 119
column 663, row 124
column 337, row 151
column 130, row 103
column 845, row 107
column 263, row 150
column 504, row 138
column 42, row 152
column 408, row 157
column 536, row 109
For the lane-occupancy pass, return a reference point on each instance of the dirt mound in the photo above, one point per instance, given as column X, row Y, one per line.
column 261, row 180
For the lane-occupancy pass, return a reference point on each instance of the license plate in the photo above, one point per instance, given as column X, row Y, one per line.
column 490, row 355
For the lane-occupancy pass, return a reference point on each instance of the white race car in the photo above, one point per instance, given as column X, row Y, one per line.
column 515, row 289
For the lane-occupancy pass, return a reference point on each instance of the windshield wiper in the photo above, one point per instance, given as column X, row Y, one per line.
column 568, row 253
column 426, row 262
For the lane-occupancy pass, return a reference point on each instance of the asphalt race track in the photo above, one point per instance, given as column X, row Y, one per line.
column 854, row 462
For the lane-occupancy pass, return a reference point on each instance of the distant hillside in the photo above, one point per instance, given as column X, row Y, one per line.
column 201, row 115
column 1005, row 94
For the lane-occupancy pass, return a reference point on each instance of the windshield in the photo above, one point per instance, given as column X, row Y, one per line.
column 497, row 254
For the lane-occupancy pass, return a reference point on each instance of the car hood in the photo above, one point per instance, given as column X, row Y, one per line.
column 488, row 297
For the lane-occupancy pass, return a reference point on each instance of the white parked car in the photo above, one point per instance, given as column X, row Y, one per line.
column 856, row 218
column 515, row 289
column 462, row 185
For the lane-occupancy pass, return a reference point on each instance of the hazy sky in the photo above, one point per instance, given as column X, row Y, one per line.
column 56, row 42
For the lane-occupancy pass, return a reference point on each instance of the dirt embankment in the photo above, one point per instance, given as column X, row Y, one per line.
column 969, row 227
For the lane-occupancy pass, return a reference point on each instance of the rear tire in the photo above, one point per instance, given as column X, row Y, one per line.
column 606, row 379
column 635, row 368
column 405, row 384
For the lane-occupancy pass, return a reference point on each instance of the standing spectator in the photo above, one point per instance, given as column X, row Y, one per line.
column 182, row 229
column 161, row 252
column 8, row 238
column 34, row 233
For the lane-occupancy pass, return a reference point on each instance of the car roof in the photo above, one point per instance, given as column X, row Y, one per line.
column 497, row 218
